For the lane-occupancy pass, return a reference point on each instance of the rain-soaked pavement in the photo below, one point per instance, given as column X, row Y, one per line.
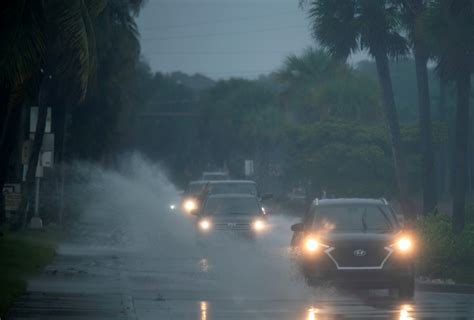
column 122, row 262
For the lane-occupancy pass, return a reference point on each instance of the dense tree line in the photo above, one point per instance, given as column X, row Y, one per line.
column 389, row 128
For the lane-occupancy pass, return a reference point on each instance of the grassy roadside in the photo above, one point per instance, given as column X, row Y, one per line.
column 443, row 255
column 22, row 255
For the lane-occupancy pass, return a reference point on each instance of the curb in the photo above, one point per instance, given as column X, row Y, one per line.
column 444, row 287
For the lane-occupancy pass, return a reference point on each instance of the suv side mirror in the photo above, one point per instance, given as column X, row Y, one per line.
column 297, row 227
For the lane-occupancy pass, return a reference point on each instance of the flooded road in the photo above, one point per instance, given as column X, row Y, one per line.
column 130, row 257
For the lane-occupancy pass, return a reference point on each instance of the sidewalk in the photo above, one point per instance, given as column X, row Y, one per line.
column 84, row 281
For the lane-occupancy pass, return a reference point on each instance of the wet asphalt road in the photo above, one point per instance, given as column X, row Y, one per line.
column 143, row 266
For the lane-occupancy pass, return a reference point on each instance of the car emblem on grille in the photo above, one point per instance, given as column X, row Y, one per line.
column 360, row 253
column 232, row 225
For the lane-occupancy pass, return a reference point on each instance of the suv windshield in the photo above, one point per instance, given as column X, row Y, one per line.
column 353, row 218
column 234, row 187
column 237, row 205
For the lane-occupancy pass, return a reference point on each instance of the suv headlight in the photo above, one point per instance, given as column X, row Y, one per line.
column 313, row 245
column 404, row 244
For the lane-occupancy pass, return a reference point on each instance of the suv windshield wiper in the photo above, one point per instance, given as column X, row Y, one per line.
column 364, row 223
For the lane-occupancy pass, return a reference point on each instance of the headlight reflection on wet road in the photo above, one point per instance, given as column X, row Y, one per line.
column 203, row 265
column 405, row 311
column 312, row 314
column 203, row 310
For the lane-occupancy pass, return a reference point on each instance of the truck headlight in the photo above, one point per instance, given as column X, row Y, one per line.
column 205, row 224
column 190, row 205
column 258, row 225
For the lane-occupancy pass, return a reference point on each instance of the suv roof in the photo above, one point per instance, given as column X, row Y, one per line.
column 215, row 172
column 339, row 201
column 232, row 181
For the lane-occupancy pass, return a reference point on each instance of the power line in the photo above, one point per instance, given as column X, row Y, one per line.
column 218, row 52
column 218, row 21
column 222, row 33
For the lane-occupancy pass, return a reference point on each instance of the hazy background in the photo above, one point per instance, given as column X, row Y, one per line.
column 222, row 38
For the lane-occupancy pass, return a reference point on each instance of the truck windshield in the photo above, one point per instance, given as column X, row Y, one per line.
column 234, row 187
column 235, row 205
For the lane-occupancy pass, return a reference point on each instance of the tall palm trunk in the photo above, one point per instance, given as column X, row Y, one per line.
column 44, row 94
column 391, row 116
column 463, row 86
column 8, row 137
column 428, row 169
column 444, row 169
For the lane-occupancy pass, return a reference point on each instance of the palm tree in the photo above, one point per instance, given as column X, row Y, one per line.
column 301, row 74
column 449, row 29
column 22, row 50
column 65, row 73
column 328, row 88
column 411, row 11
column 343, row 27
column 55, row 42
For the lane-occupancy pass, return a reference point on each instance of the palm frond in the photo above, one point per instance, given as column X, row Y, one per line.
column 333, row 25
column 23, row 45
column 68, row 45
column 448, row 27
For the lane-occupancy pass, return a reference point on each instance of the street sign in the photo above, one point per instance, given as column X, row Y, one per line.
column 12, row 196
column 47, row 159
column 248, row 168
column 39, row 171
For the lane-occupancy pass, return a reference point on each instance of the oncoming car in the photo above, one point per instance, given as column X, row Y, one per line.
column 355, row 242
column 197, row 190
column 240, row 213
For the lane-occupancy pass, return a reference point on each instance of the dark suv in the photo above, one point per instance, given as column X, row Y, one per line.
column 355, row 242
column 238, row 213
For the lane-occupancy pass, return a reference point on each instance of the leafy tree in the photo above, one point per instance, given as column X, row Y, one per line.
column 318, row 87
column 343, row 27
column 449, row 29
column 342, row 157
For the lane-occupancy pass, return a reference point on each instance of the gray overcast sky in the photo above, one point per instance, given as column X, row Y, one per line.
column 222, row 38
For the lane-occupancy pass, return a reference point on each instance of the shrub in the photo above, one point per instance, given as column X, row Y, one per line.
column 443, row 254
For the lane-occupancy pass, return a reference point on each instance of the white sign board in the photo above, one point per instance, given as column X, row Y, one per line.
column 248, row 168
column 47, row 159
column 12, row 196
column 34, row 119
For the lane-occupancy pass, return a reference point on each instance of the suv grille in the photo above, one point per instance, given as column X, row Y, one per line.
column 359, row 256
